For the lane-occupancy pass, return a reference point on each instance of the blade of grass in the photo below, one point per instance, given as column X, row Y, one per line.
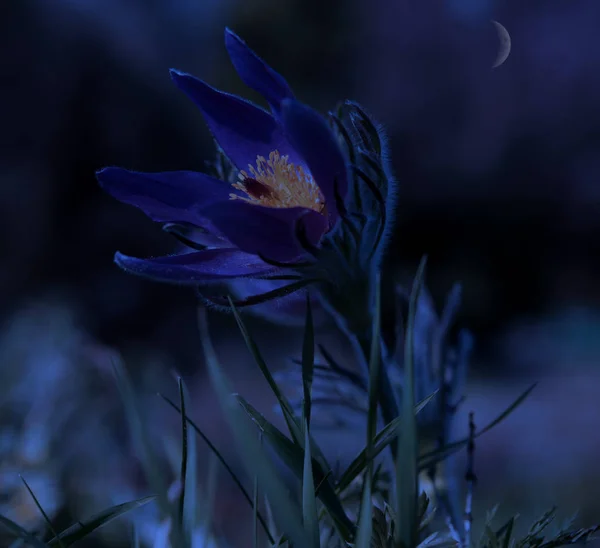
column 508, row 533
column 39, row 506
column 211, row 489
column 308, row 363
column 374, row 365
column 293, row 457
column 190, row 508
column 365, row 524
column 407, row 476
column 431, row 458
column 255, row 503
column 135, row 537
column 82, row 529
column 309, row 500
column 286, row 408
column 256, row 461
column 184, row 461
column 141, row 442
column 21, row 533
column 386, row 435
column 293, row 424
column 222, row 460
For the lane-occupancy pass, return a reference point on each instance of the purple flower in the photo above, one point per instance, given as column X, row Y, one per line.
column 294, row 200
column 291, row 177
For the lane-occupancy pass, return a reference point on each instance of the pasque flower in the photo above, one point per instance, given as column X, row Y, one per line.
column 283, row 215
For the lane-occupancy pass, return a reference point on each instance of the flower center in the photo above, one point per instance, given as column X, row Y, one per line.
column 277, row 183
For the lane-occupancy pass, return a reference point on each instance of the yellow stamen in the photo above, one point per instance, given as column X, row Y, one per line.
column 277, row 183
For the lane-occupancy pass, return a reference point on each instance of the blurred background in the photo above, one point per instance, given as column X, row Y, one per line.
column 499, row 173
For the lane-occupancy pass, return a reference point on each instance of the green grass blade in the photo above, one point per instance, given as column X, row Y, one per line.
column 431, row 458
column 190, row 509
column 135, row 537
column 387, row 435
column 39, row 506
column 222, row 460
column 184, row 462
column 365, row 521
column 255, row 460
column 211, row 491
column 255, row 504
column 374, row 365
column 365, row 524
column 141, row 442
column 309, row 500
column 286, row 408
column 308, row 363
column 21, row 533
column 293, row 424
column 293, row 457
column 84, row 528
column 407, row 475
column 508, row 533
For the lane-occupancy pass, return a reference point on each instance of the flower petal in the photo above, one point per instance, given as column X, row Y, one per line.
column 255, row 73
column 310, row 135
column 243, row 130
column 174, row 196
column 199, row 266
column 265, row 231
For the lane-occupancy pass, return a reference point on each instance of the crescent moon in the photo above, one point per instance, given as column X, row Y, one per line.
column 505, row 43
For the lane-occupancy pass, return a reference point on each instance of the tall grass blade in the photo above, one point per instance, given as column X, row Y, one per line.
column 308, row 363
column 309, row 500
column 222, row 460
column 141, row 442
column 21, row 533
column 39, row 506
column 184, row 463
column 83, row 529
column 407, row 475
column 255, row 460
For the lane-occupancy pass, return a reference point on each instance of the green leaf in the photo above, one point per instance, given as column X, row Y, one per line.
column 427, row 460
column 407, row 475
column 21, row 533
column 44, row 515
column 84, row 528
column 387, row 435
column 293, row 457
column 308, row 362
column 222, row 460
column 255, row 460
column 309, row 501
